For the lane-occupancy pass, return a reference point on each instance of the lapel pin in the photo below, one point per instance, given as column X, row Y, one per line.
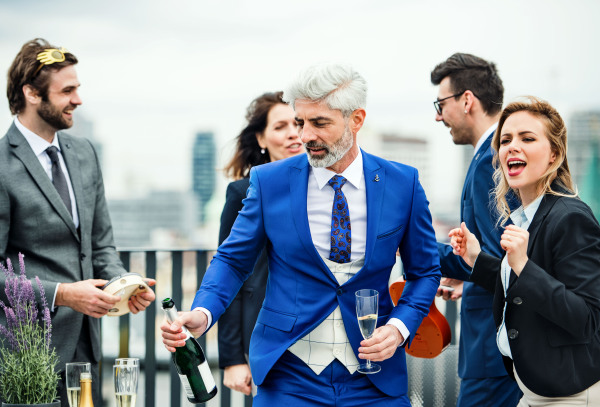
column 376, row 177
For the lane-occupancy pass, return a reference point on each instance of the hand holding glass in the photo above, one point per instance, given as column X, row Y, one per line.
column 73, row 374
column 126, row 383
column 367, row 307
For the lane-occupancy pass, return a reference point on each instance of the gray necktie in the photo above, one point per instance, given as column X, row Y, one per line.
column 58, row 178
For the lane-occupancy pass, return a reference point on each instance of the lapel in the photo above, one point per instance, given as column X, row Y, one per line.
column 25, row 154
column 298, row 175
column 471, row 171
column 546, row 205
column 375, row 186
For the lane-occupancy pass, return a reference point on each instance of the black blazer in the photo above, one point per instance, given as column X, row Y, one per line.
column 237, row 323
column 553, row 307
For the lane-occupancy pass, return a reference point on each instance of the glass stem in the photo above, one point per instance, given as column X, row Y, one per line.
column 368, row 364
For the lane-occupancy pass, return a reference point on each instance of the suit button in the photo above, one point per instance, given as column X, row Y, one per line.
column 339, row 291
column 517, row 301
column 513, row 334
column 82, row 256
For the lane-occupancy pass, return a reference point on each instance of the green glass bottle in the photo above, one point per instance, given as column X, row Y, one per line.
column 191, row 364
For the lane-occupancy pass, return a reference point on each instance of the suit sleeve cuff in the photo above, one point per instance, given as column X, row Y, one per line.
column 401, row 327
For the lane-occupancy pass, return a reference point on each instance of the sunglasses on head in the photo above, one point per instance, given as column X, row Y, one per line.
column 49, row 57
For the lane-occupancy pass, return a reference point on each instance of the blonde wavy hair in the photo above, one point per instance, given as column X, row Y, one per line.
column 557, row 174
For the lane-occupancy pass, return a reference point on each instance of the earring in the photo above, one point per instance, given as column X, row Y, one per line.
column 262, row 151
column 465, row 112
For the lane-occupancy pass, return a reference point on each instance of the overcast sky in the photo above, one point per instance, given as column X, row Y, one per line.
column 155, row 72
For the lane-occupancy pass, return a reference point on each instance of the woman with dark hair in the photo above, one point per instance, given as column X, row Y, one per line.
column 270, row 135
column 547, row 286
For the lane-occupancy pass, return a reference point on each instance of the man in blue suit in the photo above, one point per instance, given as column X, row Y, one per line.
column 306, row 345
column 469, row 102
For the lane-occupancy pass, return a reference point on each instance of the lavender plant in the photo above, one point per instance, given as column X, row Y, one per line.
column 27, row 359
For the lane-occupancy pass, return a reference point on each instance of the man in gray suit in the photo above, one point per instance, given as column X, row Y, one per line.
column 52, row 206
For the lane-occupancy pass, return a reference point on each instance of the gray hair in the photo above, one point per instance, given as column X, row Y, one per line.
column 340, row 86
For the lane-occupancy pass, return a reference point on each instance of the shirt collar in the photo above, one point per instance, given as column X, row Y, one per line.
column 37, row 144
column 353, row 173
column 522, row 216
column 484, row 136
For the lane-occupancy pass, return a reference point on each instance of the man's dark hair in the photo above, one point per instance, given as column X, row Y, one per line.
column 26, row 70
column 468, row 72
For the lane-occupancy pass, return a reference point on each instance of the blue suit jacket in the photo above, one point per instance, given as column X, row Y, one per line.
column 479, row 356
column 301, row 290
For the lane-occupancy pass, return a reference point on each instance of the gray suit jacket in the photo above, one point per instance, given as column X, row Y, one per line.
column 34, row 221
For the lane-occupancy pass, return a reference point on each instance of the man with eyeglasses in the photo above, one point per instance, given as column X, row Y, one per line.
column 53, row 209
column 469, row 102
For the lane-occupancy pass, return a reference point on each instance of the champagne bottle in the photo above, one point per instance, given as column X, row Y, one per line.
column 86, row 390
column 191, row 363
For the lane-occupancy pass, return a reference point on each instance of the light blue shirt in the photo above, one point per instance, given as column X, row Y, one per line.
column 522, row 218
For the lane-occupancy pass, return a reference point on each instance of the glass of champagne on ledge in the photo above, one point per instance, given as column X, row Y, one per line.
column 367, row 307
column 72, row 378
column 126, row 383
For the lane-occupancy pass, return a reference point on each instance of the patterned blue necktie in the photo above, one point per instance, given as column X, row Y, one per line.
column 340, row 223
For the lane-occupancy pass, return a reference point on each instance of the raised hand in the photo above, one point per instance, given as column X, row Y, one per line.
column 464, row 244
column 515, row 240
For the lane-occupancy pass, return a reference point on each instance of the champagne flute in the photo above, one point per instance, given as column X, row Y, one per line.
column 72, row 376
column 367, row 304
column 126, row 383
column 127, row 362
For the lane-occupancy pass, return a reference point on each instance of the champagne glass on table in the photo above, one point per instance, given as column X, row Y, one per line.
column 72, row 378
column 126, row 383
column 367, row 306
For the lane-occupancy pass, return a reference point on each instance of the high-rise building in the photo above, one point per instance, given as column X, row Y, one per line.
column 204, row 170
column 584, row 156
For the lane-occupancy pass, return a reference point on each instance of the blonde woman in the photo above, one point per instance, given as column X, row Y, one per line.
column 547, row 286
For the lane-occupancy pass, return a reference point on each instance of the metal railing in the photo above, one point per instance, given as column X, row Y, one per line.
column 183, row 263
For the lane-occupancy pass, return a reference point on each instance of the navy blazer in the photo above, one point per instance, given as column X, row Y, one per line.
column 236, row 324
column 479, row 356
column 301, row 290
column 553, row 308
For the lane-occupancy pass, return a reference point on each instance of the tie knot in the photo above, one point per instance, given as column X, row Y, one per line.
column 337, row 182
column 52, row 152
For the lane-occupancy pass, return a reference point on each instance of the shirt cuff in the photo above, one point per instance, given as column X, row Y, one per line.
column 53, row 307
column 208, row 316
column 401, row 327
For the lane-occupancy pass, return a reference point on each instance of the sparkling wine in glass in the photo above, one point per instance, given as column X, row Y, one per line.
column 72, row 376
column 367, row 306
column 126, row 383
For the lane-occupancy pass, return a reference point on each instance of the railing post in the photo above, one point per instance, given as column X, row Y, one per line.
column 150, row 320
column 124, row 319
column 177, row 295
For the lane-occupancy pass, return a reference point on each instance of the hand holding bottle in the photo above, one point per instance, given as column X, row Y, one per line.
column 188, row 358
column 173, row 334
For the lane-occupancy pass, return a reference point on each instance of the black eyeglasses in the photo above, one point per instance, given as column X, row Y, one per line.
column 437, row 106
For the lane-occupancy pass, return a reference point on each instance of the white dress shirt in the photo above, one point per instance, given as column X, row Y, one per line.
column 522, row 218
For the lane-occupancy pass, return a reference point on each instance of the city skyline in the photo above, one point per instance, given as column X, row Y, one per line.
column 154, row 74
